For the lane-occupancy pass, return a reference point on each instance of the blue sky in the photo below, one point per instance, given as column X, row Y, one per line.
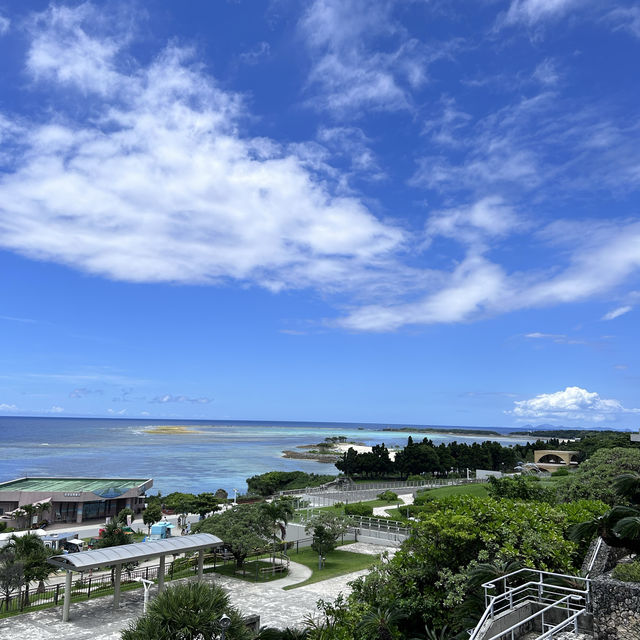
column 385, row 211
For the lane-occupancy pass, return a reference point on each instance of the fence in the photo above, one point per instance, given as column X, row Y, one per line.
column 99, row 584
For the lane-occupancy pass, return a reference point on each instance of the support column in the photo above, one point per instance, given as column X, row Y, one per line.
column 200, row 564
column 79, row 513
column 116, row 587
column 67, row 597
column 161, row 575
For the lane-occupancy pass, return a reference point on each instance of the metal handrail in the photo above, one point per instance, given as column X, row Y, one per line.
column 538, row 591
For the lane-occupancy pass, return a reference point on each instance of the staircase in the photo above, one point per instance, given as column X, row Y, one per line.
column 536, row 605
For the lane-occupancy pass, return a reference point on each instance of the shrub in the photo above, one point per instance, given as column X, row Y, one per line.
column 358, row 509
column 422, row 497
column 627, row 572
column 387, row 495
column 560, row 472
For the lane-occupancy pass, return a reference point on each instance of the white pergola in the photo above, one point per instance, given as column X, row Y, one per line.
column 123, row 554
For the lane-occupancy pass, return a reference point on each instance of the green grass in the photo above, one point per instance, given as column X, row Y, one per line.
column 250, row 571
column 339, row 511
column 476, row 490
column 337, row 563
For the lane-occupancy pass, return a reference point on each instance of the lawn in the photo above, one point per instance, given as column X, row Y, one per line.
column 337, row 563
column 251, row 571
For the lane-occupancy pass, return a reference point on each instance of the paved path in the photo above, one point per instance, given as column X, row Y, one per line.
column 406, row 498
column 95, row 619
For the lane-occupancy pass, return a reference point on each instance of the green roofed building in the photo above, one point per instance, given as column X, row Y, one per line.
column 71, row 499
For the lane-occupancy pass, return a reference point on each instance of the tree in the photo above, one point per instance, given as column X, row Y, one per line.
column 188, row 610
column 278, row 513
column 11, row 575
column 151, row 515
column 122, row 516
column 181, row 503
column 32, row 554
column 29, row 511
column 205, row 503
column 243, row 529
column 381, row 624
column 325, row 529
column 222, row 495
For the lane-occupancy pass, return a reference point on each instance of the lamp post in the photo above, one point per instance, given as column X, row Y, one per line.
column 235, row 496
column 147, row 585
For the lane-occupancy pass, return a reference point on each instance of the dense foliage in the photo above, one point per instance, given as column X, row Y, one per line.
column 244, row 529
column 429, row 577
column 520, row 488
column 186, row 610
column 267, row 484
column 594, row 478
column 427, row 458
column 358, row 509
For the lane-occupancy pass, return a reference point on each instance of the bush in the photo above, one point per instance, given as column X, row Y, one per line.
column 627, row 572
column 269, row 483
column 387, row 495
column 422, row 497
column 520, row 488
column 560, row 472
column 358, row 509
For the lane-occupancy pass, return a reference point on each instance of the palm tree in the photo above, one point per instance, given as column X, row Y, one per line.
column 32, row 553
column 381, row 624
column 627, row 485
column 278, row 513
column 607, row 526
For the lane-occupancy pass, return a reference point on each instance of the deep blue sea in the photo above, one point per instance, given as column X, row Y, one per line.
column 223, row 455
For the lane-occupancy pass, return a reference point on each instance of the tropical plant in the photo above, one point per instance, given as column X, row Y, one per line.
column 270, row 633
column 113, row 536
column 325, row 529
column 11, row 575
column 278, row 512
column 381, row 624
column 32, row 554
column 186, row 610
column 29, row 511
column 122, row 515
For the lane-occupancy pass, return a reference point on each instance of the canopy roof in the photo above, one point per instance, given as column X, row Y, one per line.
column 85, row 560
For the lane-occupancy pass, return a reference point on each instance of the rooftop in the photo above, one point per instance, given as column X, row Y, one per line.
column 117, row 486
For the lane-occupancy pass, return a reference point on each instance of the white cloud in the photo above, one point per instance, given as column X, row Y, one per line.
column 546, row 72
column 574, row 403
column 625, row 19
column 488, row 217
column 171, row 398
column 145, row 413
column 160, row 186
column 8, row 407
column 349, row 71
column 616, row 313
column 56, row 409
column 114, row 412
column 531, row 11
column 5, row 23
column 256, row 54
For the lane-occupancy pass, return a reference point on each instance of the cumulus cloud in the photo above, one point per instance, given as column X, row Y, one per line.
column 8, row 407
column 56, row 409
column 616, row 313
column 168, row 398
column 574, row 403
column 159, row 185
column 114, row 412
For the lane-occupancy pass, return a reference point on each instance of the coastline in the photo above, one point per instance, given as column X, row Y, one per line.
column 333, row 453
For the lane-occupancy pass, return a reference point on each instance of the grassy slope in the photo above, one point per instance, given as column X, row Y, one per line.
column 337, row 564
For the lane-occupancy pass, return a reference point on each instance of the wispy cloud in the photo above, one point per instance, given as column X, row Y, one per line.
column 616, row 313
column 5, row 23
column 56, row 409
column 169, row 398
column 362, row 57
column 530, row 12
column 256, row 54
column 8, row 407
column 625, row 19
column 573, row 403
column 83, row 392
column 21, row 320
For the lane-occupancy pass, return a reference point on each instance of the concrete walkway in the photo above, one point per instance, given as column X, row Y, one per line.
column 406, row 498
column 95, row 619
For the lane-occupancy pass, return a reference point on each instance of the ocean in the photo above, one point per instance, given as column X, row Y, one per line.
column 221, row 455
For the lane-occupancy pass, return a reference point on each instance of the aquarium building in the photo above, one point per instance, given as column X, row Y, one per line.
column 70, row 499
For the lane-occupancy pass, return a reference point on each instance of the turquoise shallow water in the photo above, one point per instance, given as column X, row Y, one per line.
column 223, row 455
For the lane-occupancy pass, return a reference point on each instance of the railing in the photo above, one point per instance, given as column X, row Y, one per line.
column 371, row 486
column 541, row 589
